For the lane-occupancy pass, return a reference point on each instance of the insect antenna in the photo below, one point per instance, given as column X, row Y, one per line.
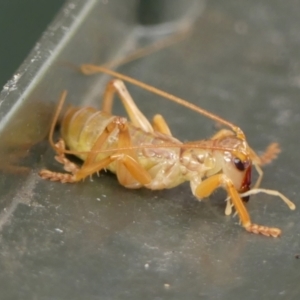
column 147, row 50
column 169, row 145
column 55, row 117
column 88, row 69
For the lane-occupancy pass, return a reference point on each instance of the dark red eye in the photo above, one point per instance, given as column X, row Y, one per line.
column 246, row 184
column 239, row 164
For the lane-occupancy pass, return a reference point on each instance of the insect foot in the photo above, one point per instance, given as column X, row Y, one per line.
column 54, row 176
column 264, row 230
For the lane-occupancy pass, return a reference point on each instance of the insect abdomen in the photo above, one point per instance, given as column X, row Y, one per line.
column 81, row 127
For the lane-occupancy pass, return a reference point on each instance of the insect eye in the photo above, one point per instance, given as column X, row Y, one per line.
column 239, row 164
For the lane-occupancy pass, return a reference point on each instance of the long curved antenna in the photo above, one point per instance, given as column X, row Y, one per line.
column 142, row 146
column 147, row 50
column 88, row 69
column 55, row 117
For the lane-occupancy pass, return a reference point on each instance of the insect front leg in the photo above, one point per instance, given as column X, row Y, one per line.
column 205, row 188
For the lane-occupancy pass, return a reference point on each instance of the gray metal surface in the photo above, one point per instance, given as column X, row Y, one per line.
column 21, row 25
column 98, row 240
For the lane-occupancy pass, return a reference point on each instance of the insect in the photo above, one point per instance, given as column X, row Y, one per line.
column 142, row 154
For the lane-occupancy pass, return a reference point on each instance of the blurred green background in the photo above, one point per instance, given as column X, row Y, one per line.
column 21, row 25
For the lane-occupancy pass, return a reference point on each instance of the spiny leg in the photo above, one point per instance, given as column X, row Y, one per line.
column 129, row 159
column 126, row 161
column 69, row 166
column 205, row 189
column 130, row 165
column 59, row 148
column 135, row 115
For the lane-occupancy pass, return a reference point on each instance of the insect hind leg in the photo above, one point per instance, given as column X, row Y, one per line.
column 128, row 170
column 128, row 167
column 135, row 115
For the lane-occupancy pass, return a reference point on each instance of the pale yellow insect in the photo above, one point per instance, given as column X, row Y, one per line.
column 147, row 155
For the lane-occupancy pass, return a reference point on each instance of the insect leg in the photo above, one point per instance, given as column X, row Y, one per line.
column 135, row 115
column 205, row 188
column 128, row 167
column 132, row 166
column 93, row 69
column 128, row 170
column 160, row 124
column 68, row 166
column 61, row 158
column 126, row 159
column 223, row 133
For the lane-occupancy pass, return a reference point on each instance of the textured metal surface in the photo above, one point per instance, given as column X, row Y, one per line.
column 21, row 25
column 97, row 240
